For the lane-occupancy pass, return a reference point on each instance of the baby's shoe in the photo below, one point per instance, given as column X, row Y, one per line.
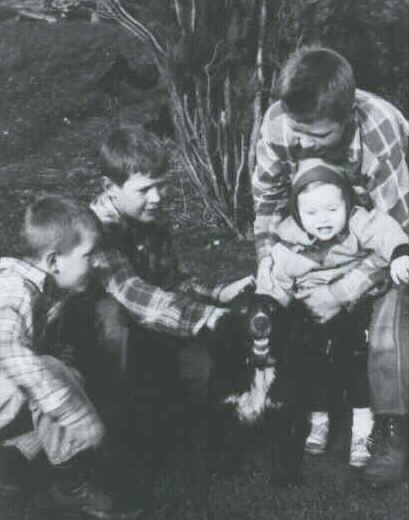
column 317, row 440
column 362, row 425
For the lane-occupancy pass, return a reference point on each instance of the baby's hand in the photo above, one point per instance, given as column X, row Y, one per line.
column 264, row 283
column 400, row 270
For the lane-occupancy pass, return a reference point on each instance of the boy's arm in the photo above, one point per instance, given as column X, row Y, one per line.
column 377, row 232
column 164, row 311
column 385, row 134
column 271, row 183
column 26, row 369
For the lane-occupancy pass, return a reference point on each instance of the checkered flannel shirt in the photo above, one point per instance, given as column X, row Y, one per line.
column 138, row 267
column 374, row 155
column 25, row 310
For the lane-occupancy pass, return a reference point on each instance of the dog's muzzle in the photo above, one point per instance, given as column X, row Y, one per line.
column 261, row 347
column 260, row 325
column 260, row 330
column 260, row 356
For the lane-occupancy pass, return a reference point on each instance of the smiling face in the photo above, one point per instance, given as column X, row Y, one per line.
column 316, row 135
column 71, row 269
column 323, row 211
column 139, row 198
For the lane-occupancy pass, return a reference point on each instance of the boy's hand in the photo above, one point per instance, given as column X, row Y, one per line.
column 264, row 283
column 400, row 270
column 321, row 303
column 229, row 292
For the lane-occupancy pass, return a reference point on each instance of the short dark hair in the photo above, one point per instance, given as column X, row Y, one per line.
column 132, row 150
column 55, row 222
column 317, row 83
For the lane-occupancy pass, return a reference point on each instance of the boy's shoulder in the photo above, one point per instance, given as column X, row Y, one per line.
column 272, row 128
column 376, row 113
column 15, row 280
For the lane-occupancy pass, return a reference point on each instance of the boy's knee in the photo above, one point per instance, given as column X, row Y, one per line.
column 388, row 330
column 195, row 366
column 111, row 325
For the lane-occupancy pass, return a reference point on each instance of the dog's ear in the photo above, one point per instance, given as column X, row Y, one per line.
column 273, row 306
column 241, row 303
column 267, row 302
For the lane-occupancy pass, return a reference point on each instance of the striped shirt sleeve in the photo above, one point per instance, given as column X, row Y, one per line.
column 18, row 360
column 164, row 311
column 271, row 181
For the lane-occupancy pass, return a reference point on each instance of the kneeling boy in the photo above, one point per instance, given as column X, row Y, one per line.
column 59, row 239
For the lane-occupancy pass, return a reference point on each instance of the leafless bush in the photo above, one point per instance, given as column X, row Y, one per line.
column 219, row 60
column 214, row 69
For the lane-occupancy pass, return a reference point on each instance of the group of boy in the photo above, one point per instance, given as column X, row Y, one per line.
column 325, row 149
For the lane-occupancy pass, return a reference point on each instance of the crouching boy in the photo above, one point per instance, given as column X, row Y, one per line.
column 58, row 240
column 146, row 313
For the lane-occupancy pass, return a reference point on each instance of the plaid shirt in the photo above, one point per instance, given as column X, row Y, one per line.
column 138, row 267
column 25, row 310
column 301, row 262
column 373, row 153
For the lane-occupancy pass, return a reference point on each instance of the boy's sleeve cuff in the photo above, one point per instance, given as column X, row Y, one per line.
column 207, row 312
column 215, row 295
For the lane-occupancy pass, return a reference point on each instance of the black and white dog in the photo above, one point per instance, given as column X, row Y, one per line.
column 259, row 375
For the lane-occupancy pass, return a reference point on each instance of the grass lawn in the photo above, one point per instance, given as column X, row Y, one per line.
column 53, row 118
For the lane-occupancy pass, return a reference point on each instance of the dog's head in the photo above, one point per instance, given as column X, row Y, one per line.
column 260, row 320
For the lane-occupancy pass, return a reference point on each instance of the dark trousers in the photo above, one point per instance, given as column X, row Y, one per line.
column 130, row 371
column 336, row 357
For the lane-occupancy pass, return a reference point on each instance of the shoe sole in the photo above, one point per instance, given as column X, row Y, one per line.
column 358, row 465
column 113, row 515
column 315, row 451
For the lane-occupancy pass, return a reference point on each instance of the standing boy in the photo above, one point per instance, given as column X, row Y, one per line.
column 321, row 114
column 59, row 238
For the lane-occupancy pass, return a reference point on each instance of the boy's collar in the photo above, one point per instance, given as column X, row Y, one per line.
column 106, row 210
column 30, row 271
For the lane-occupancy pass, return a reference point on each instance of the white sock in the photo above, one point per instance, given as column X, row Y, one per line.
column 362, row 422
column 319, row 417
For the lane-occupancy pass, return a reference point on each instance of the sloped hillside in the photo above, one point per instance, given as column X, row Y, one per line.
column 54, row 74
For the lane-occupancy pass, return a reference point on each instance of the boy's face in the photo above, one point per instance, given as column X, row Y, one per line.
column 322, row 211
column 317, row 135
column 71, row 269
column 140, row 197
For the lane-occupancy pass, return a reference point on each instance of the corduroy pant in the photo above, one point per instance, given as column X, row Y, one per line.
column 389, row 353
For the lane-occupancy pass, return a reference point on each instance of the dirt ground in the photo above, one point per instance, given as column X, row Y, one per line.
column 53, row 115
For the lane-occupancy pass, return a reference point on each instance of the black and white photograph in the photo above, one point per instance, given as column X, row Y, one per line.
column 204, row 259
